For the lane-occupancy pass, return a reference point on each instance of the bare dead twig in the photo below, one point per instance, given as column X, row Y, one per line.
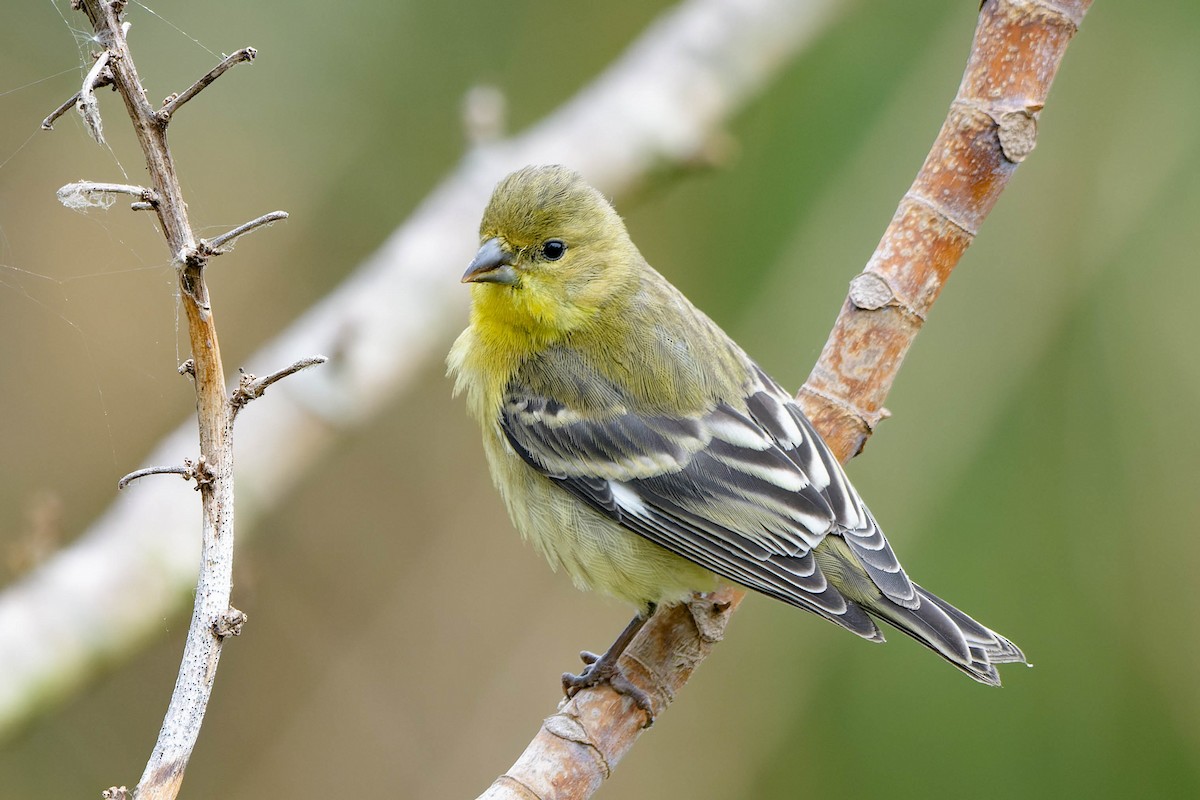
column 88, row 105
column 104, row 79
column 173, row 103
column 214, row 247
column 189, row 470
column 251, row 387
column 1015, row 55
column 93, row 194
column 213, row 619
column 48, row 122
column 183, row 470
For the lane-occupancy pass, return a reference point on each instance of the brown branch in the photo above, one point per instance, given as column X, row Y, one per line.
column 576, row 749
column 990, row 127
column 1017, row 48
column 172, row 103
column 212, row 619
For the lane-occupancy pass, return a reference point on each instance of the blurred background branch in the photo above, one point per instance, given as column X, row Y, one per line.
column 655, row 107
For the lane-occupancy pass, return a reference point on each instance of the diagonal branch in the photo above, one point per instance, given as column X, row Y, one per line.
column 172, row 104
column 214, row 247
column 251, row 387
column 990, row 128
column 95, row 79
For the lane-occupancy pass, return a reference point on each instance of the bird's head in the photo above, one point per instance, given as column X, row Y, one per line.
column 553, row 252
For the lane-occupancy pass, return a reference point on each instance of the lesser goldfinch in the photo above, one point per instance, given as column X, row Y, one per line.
column 644, row 453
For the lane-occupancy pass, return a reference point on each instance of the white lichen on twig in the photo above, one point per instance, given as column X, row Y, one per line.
column 82, row 195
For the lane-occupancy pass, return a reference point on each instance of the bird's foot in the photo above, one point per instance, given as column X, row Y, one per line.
column 602, row 669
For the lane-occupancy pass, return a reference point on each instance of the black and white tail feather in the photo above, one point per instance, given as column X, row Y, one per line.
column 749, row 491
column 954, row 636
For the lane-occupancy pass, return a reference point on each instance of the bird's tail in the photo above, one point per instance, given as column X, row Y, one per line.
column 953, row 635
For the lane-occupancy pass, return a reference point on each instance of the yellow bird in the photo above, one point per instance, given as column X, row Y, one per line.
column 642, row 452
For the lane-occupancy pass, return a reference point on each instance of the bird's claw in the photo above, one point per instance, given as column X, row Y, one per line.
column 588, row 657
column 600, row 670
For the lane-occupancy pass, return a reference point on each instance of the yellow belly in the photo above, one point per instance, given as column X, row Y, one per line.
column 593, row 549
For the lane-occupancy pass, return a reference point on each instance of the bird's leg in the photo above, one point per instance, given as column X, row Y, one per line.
column 605, row 669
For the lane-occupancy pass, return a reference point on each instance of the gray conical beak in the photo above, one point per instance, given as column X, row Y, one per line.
column 492, row 264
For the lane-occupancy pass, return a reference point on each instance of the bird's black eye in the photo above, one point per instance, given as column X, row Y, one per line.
column 554, row 249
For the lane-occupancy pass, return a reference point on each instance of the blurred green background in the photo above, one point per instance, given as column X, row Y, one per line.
column 1039, row 470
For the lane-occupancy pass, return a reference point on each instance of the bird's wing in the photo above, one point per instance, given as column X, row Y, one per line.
column 745, row 492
